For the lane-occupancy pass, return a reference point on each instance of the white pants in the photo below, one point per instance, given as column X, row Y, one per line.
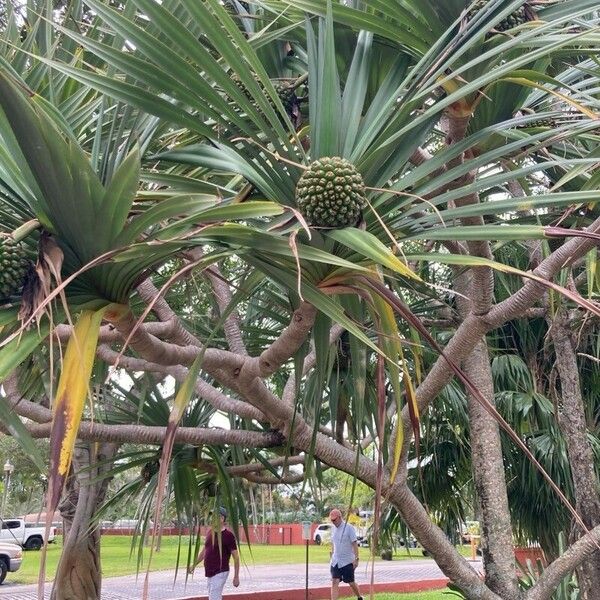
column 216, row 583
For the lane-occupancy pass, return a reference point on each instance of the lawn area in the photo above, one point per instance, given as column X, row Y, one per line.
column 437, row 595
column 118, row 560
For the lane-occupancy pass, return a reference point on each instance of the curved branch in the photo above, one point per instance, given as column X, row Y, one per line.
column 531, row 291
column 24, row 408
column 474, row 327
column 564, row 565
column 148, row 292
column 162, row 353
column 247, row 379
column 289, row 342
column 231, row 326
column 222, row 293
column 414, row 514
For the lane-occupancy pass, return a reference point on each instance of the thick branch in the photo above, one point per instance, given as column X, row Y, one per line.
column 289, row 342
column 241, row 470
column 474, row 327
column 231, row 326
column 563, row 565
column 178, row 333
column 24, row 408
column 239, row 373
column 248, row 379
column 150, row 347
column 572, row 422
column 144, row 434
column 286, row 479
column 532, row 291
column 108, row 334
column 165, row 354
column 487, row 459
column 222, row 293
column 482, row 283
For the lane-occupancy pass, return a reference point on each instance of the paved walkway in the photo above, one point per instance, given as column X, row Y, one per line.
column 252, row 579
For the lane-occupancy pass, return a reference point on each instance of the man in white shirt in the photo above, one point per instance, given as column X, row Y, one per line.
column 344, row 554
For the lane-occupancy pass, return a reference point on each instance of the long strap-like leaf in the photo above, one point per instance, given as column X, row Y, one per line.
column 67, row 410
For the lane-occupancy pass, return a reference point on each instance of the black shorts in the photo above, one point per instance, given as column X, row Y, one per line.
column 345, row 573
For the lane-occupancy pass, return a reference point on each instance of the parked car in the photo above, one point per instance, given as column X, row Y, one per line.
column 28, row 535
column 11, row 556
column 322, row 533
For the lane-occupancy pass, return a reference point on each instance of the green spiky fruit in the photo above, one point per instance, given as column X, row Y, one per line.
column 287, row 95
column 513, row 20
column 539, row 123
column 14, row 265
column 331, row 193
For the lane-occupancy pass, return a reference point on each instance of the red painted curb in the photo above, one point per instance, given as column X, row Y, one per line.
column 323, row 593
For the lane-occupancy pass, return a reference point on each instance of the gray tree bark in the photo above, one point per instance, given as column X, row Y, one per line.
column 572, row 423
column 78, row 575
column 487, row 458
column 490, row 482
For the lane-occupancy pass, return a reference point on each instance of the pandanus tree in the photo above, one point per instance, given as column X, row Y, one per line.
column 430, row 132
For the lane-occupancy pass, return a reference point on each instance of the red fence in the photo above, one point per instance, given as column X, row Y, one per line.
column 279, row 534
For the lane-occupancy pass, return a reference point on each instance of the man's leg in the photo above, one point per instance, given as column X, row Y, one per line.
column 348, row 577
column 216, row 583
column 355, row 589
column 335, row 589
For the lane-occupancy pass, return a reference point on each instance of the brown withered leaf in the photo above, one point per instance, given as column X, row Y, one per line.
column 38, row 283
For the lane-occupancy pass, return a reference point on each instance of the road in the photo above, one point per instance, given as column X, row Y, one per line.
column 253, row 578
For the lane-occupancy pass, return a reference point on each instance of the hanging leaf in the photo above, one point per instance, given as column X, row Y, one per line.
column 68, row 407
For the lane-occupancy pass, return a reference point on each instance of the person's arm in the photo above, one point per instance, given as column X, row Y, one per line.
column 355, row 548
column 198, row 560
column 236, row 568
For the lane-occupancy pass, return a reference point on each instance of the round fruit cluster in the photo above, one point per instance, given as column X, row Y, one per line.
column 331, row 193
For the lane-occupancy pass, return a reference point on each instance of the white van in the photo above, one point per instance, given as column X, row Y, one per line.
column 322, row 534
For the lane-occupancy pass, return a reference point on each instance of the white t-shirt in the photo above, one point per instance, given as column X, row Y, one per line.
column 342, row 539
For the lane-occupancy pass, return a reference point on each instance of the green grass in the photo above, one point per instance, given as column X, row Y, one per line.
column 118, row 560
column 437, row 595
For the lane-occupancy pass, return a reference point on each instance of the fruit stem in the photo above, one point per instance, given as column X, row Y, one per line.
column 21, row 232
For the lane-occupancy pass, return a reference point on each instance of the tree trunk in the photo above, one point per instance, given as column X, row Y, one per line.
column 487, row 458
column 490, row 482
column 78, row 576
column 572, row 423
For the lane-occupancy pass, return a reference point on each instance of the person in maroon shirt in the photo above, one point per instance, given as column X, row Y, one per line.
column 219, row 546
